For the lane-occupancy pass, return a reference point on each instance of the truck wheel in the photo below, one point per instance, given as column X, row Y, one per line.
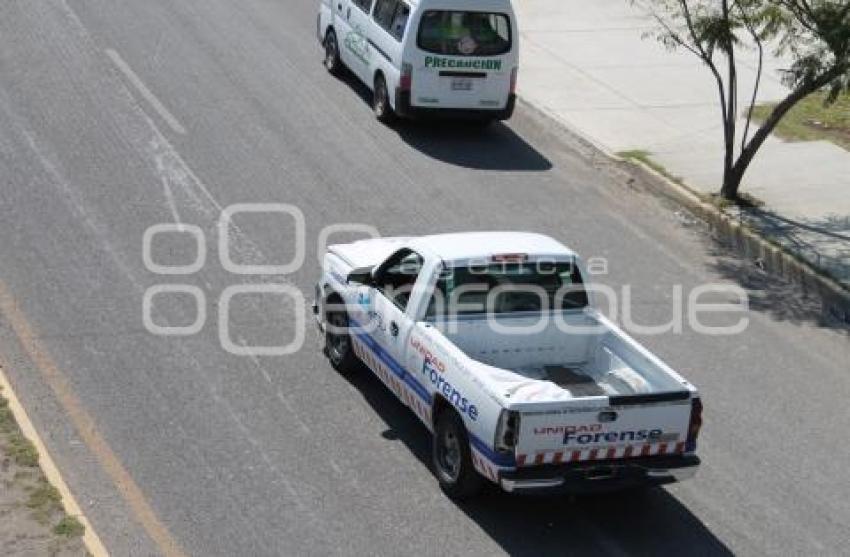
column 452, row 458
column 381, row 101
column 332, row 61
column 338, row 346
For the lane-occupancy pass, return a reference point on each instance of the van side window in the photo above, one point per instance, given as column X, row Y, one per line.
column 384, row 11
column 402, row 14
column 392, row 16
column 365, row 5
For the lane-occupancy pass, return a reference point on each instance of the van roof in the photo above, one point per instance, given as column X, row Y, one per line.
column 461, row 5
column 464, row 246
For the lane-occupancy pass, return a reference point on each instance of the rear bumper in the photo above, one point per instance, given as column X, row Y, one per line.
column 600, row 475
column 405, row 109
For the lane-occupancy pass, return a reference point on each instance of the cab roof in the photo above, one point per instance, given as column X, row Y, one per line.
column 465, row 246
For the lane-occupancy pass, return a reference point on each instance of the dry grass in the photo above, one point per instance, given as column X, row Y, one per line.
column 810, row 120
column 33, row 518
column 646, row 158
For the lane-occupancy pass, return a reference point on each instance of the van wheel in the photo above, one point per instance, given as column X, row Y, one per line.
column 381, row 101
column 452, row 458
column 338, row 345
column 332, row 61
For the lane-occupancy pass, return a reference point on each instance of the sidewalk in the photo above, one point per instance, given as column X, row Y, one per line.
column 587, row 64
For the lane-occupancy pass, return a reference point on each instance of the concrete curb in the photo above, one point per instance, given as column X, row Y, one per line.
column 745, row 241
column 749, row 243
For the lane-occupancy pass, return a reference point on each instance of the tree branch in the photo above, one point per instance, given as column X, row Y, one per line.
column 781, row 109
column 706, row 57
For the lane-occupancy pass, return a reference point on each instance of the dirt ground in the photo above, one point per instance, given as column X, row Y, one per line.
column 32, row 520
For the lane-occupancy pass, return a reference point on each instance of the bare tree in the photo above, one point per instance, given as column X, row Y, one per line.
column 813, row 34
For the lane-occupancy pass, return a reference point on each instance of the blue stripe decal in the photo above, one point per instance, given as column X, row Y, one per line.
column 498, row 459
column 491, row 455
column 399, row 371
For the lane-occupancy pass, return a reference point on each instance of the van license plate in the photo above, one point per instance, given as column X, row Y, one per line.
column 461, row 84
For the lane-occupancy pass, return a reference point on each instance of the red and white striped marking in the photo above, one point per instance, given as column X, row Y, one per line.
column 484, row 466
column 391, row 380
column 599, row 453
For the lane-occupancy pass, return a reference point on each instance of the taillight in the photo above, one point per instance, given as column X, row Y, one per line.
column 506, row 431
column 405, row 82
column 513, row 80
column 694, row 426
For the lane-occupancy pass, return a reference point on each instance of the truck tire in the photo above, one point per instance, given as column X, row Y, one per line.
column 381, row 101
column 332, row 61
column 338, row 345
column 452, row 458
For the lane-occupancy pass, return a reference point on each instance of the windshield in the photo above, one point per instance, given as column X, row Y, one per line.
column 464, row 33
column 506, row 288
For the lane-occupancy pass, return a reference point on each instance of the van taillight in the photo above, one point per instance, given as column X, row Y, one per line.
column 513, row 80
column 694, row 426
column 405, row 81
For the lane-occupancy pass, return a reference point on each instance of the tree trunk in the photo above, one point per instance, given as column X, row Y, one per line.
column 732, row 179
column 731, row 113
column 732, row 182
column 729, row 132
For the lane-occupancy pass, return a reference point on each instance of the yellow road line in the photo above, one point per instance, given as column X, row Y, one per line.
column 87, row 430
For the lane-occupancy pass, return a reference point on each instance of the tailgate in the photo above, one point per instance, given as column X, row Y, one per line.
column 641, row 425
column 481, row 85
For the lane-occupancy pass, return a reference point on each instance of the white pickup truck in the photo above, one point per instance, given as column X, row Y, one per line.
column 492, row 341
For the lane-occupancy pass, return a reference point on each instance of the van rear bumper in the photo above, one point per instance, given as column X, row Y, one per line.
column 405, row 109
column 600, row 475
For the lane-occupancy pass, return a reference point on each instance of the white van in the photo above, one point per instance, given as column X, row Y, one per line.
column 426, row 57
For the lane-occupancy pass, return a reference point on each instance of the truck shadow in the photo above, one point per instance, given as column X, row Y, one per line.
column 648, row 522
column 464, row 144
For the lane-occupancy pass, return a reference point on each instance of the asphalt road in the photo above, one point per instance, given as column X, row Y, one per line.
column 118, row 115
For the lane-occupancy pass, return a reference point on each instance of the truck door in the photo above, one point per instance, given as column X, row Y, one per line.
column 394, row 282
column 354, row 46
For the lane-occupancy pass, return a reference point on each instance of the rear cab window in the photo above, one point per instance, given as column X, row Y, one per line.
column 464, row 33
column 501, row 288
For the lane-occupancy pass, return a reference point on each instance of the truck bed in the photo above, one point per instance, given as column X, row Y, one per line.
column 583, row 380
column 600, row 361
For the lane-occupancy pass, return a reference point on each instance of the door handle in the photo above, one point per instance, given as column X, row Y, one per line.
column 393, row 328
column 348, row 14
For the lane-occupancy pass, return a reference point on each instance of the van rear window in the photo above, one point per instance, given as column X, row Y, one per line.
column 457, row 33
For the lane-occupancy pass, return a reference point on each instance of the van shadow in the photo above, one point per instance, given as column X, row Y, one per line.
column 468, row 145
column 465, row 144
column 650, row 522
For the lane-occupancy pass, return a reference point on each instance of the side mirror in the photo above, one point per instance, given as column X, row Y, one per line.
column 363, row 276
